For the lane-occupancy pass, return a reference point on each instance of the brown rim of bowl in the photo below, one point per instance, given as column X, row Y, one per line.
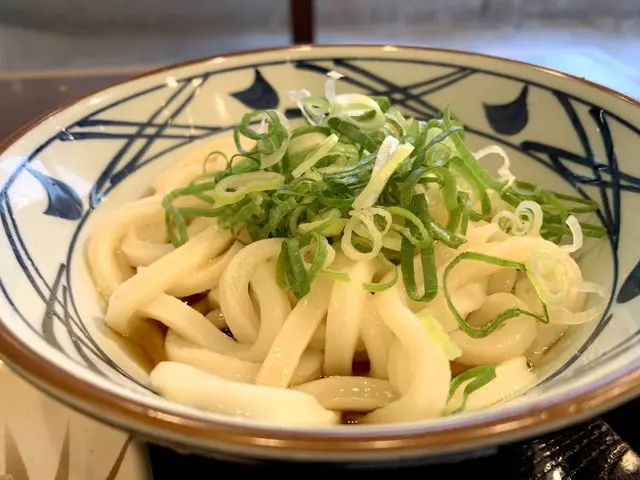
column 199, row 433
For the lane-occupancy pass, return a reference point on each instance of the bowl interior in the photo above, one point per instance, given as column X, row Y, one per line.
column 60, row 178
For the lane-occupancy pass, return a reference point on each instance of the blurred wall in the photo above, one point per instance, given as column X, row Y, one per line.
column 79, row 34
column 219, row 16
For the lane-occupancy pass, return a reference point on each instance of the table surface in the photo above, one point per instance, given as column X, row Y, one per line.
column 604, row 448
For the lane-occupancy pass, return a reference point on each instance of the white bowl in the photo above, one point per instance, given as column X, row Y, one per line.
column 561, row 132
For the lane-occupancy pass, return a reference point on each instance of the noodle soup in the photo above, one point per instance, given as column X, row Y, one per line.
column 362, row 267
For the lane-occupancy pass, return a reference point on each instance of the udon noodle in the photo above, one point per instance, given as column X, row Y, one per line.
column 226, row 337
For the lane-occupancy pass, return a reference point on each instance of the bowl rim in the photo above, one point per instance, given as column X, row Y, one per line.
column 205, row 434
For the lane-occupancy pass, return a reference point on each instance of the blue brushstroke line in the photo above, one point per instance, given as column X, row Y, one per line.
column 125, row 123
column 578, row 127
column 131, row 164
column 16, row 246
column 78, row 136
column 75, row 340
column 7, row 211
column 95, row 195
column 117, row 103
column 21, row 251
column 49, row 312
column 613, row 352
column 583, row 162
column 439, row 87
column 387, row 83
column 462, row 72
column 600, row 118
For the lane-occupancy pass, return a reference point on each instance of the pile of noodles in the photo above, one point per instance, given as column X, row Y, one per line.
column 277, row 328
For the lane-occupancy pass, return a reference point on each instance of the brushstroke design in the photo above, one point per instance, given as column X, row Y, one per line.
column 509, row 118
column 260, row 95
column 62, row 201
column 13, row 461
column 16, row 469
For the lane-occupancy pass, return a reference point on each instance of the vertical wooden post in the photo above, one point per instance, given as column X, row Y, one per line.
column 302, row 21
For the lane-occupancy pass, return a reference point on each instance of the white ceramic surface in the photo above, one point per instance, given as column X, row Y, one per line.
column 560, row 132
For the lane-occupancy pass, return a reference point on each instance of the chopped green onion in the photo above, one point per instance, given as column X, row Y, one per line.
column 233, row 188
column 427, row 259
column 339, row 276
column 359, row 175
column 477, row 377
column 467, row 157
column 381, row 287
column 361, row 111
column 270, row 145
column 438, row 334
column 480, row 332
column 297, row 278
column 369, row 195
column 549, row 276
column 316, row 155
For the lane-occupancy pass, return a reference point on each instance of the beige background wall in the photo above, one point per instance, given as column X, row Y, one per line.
column 599, row 39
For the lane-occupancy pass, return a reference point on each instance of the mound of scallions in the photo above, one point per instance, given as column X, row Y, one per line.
column 357, row 176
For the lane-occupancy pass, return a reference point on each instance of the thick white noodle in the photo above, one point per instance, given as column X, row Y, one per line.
column 513, row 248
column 344, row 318
column 189, row 324
column 274, row 309
column 399, row 368
column 234, row 288
column 141, row 289
column 273, row 305
column 180, row 350
column 216, row 317
column 181, row 173
column 207, row 276
column 145, row 244
column 431, row 372
column 503, row 281
column 466, row 299
column 548, row 334
column 476, row 235
column 319, row 337
column 377, row 339
column 512, row 377
column 107, row 272
column 140, row 251
column 295, row 335
column 351, row 394
column 510, row 340
column 196, row 388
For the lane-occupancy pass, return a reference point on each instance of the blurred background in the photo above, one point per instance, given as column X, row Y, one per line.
column 56, row 50
column 589, row 37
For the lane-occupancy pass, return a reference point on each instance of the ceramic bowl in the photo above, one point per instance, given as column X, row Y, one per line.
column 61, row 174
